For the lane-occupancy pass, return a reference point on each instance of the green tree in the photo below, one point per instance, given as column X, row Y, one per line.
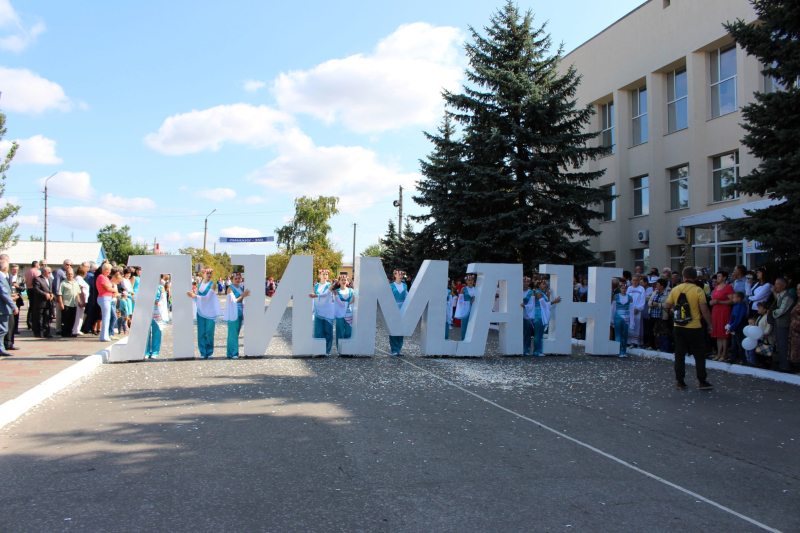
column 390, row 244
column 310, row 223
column 34, row 238
column 118, row 244
column 441, row 191
column 7, row 236
column 324, row 258
column 221, row 262
column 521, row 197
column 373, row 250
column 772, row 124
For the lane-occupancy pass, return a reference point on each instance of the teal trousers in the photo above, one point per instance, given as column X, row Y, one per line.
column 205, row 336
column 153, row 340
column 233, row 337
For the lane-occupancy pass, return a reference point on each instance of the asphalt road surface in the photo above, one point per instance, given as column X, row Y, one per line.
column 409, row 444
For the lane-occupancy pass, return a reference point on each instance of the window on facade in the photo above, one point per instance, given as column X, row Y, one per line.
column 607, row 123
column 609, row 259
column 641, row 196
column 726, row 174
column 639, row 114
column 641, row 257
column 610, row 206
column 677, row 100
column 723, row 81
column 677, row 258
column 772, row 85
column 679, row 187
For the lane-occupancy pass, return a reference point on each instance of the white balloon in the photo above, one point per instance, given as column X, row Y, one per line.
column 753, row 332
column 582, row 320
column 747, row 329
column 749, row 343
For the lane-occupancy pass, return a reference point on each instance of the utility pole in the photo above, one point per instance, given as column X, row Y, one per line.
column 45, row 216
column 215, row 247
column 154, row 244
column 400, row 215
column 354, row 249
column 205, row 232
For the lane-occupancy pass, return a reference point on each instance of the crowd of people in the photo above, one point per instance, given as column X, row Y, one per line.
column 89, row 299
column 689, row 312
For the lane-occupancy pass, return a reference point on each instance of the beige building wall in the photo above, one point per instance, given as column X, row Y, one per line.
column 643, row 47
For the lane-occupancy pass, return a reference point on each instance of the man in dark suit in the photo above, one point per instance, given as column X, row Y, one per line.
column 43, row 304
column 7, row 306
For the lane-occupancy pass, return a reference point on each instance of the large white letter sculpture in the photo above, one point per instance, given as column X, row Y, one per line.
column 508, row 316
column 180, row 268
column 260, row 324
column 426, row 301
column 596, row 310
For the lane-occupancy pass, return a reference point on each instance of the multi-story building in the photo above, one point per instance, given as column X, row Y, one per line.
column 668, row 84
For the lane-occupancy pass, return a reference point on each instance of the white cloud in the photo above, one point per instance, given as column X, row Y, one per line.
column 192, row 132
column 73, row 185
column 252, row 86
column 128, row 204
column 251, row 200
column 236, row 231
column 36, row 149
column 398, row 85
column 27, row 220
column 174, row 240
column 303, row 168
column 83, row 217
column 19, row 37
column 219, row 193
column 27, row 92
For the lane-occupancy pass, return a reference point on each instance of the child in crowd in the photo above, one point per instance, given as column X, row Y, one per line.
column 124, row 312
column 735, row 327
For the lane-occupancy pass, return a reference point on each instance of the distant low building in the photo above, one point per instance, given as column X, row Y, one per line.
column 347, row 268
column 25, row 252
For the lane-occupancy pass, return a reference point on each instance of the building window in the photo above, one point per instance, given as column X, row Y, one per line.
column 726, row 174
column 717, row 248
column 609, row 259
column 607, row 123
column 678, row 100
column 679, row 187
column 641, row 257
column 639, row 114
column 723, row 81
column 610, row 205
column 641, row 196
column 772, row 85
column 677, row 258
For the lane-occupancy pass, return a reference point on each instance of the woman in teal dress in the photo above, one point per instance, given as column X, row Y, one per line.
column 400, row 291
column 236, row 295
column 621, row 318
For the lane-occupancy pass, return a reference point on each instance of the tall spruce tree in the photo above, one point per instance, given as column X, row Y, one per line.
column 441, row 190
column 521, row 197
column 773, row 130
column 391, row 245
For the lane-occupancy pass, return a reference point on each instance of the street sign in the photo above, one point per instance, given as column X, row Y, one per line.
column 232, row 240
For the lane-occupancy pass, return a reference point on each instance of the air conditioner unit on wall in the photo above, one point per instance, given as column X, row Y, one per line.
column 644, row 236
column 680, row 232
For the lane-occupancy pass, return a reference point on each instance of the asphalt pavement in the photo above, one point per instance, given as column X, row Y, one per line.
column 413, row 444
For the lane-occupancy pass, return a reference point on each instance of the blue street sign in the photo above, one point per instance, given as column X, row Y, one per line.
column 246, row 239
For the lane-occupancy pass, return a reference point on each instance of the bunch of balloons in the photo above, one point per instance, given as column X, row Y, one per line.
column 753, row 334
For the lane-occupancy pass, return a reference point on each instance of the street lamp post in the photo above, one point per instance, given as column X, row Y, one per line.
column 205, row 232
column 45, row 216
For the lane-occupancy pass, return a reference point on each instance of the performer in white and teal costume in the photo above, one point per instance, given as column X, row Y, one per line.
column 400, row 291
column 464, row 306
column 323, row 310
column 234, row 315
column 208, row 310
column 448, row 315
column 621, row 318
column 537, row 306
column 527, row 315
column 153, row 346
column 343, row 297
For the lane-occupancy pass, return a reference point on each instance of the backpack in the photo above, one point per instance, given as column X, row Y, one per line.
column 683, row 311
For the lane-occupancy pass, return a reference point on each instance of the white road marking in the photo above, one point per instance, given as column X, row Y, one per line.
column 592, row 448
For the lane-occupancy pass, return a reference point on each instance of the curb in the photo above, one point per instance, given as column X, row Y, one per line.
column 15, row 408
column 791, row 379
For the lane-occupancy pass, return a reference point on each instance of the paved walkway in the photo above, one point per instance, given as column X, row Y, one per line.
column 40, row 359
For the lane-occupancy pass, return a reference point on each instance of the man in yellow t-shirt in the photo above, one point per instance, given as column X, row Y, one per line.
column 689, row 338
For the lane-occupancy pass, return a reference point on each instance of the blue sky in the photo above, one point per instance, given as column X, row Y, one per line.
column 155, row 113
